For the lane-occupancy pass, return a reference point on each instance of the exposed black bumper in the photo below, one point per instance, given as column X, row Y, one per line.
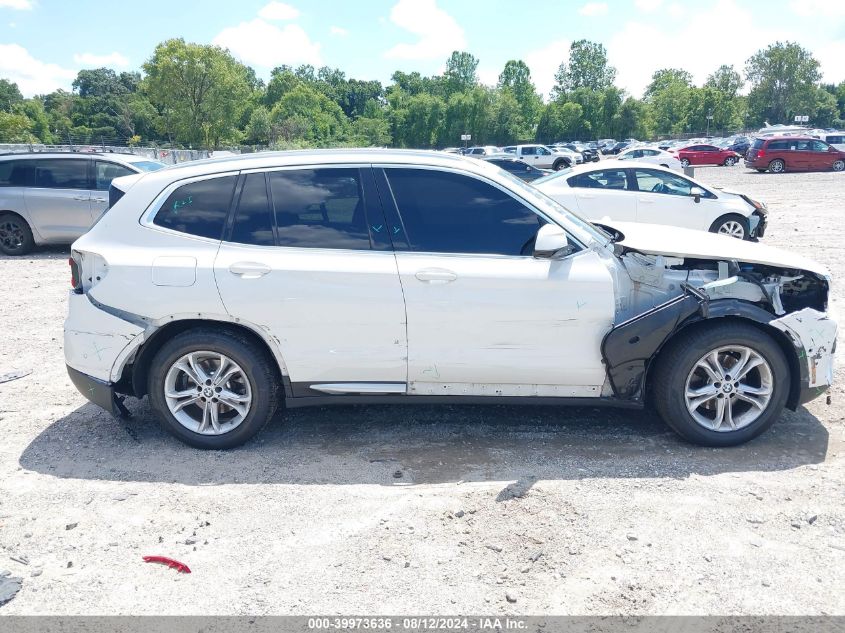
column 805, row 394
column 97, row 391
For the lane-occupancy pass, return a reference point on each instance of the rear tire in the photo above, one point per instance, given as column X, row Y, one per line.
column 777, row 166
column 684, row 162
column 732, row 225
column 253, row 388
column 679, row 382
column 839, row 165
column 560, row 164
column 15, row 235
column 730, row 161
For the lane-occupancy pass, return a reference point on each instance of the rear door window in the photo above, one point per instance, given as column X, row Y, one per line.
column 62, row 173
column 198, row 208
column 253, row 221
column 602, row 179
column 322, row 208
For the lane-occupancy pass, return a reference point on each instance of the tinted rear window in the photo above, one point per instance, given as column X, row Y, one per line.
column 253, row 223
column 758, row 143
column 15, row 173
column 199, row 208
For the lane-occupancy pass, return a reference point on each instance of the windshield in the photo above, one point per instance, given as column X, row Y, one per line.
column 587, row 230
column 557, row 174
column 148, row 165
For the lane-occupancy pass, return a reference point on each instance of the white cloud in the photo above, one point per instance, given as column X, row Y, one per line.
column 90, row 60
column 488, row 76
column 20, row 5
column 544, row 63
column 259, row 43
column 278, row 11
column 594, row 9
column 648, row 6
column 32, row 75
column 676, row 9
column 640, row 48
column 818, row 8
column 438, row 32
column 339, row 31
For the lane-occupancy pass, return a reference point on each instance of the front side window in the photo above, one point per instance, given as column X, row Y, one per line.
column 321, row 208
column 819, row 146
column 62, row 173
column 253, row 221
column 105, row 172
column 542, row 151
column 654, row 181
column 601, row 179
column 444, row 212
column 198, row 208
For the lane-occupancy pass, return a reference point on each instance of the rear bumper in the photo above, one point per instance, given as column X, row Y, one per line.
column 97, row 391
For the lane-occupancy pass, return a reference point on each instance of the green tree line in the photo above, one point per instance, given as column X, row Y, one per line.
column 200, row 96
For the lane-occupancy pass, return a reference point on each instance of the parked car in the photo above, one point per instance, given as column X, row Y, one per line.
column 541, row 156
column 617, row 147
column 644, row 192
column 53, row 198
column 651, row 155
column 739, row 145
column 262, row 280
column 518, row 168
column 707, row 155
column 484, row 150
column 605, row 144
column 589, row 155
column 778, row 154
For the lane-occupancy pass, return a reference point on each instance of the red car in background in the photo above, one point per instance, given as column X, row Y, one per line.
column 707, row 155
column 793, row 153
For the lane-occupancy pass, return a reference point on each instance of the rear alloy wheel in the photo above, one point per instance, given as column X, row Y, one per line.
column 730, row 161
column 732, row 225
column 839, row 165
column 15, row 235
column 721, row 385
column 684, row 162
column 777, row 166
column 212, row 389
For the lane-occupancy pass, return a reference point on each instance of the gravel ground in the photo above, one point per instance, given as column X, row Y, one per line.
column 427, row 510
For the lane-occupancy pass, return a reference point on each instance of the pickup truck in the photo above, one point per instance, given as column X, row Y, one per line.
column 541, row 157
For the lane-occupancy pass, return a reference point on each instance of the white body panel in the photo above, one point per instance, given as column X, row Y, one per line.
column 337, row 315
column 506, row 320
column 651, row 155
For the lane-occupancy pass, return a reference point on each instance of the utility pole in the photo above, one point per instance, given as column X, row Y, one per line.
column 709, row 118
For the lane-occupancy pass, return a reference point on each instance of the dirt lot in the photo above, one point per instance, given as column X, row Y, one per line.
column 431, row 510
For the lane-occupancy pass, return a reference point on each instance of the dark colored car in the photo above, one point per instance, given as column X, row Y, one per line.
column 618, row 147
column 740, row 145
column 519, row 168
column 778, row 154
column 590, row 155
column 707, row 155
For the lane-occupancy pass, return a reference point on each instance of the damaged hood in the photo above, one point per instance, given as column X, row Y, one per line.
column 659, row 239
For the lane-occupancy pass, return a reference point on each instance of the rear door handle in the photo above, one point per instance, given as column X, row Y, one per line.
column 436, row 276
column 646, row 200
column 586, row 196
column 80, row 198
column 98, row 199
column 249, row 270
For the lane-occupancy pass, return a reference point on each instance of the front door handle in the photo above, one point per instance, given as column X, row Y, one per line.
column 436, row 276
column 81, row 198
column 586, row 196
column 98, row 199
column 249, row 270
column 646, row 200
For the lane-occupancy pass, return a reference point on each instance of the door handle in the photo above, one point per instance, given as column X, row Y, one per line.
column 586, row 196
column 81, row 198
column 249, row 270
column 436, row 276
column 646, row 200
column 98, row 199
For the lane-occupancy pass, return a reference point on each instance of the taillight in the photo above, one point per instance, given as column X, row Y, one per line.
column 75, row 280
column 761, row 153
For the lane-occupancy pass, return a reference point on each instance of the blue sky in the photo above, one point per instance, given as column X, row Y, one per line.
column 43, row 43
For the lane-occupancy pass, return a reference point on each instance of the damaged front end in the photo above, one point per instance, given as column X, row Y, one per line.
column 661, row 295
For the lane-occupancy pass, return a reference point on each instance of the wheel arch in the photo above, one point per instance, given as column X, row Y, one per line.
column 727, row 310
column 23, row 215
column 133, row 378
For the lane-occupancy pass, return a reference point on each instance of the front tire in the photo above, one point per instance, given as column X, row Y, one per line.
column 777, row 166
column 15, row 235
column 732, row 225
column 730, row 161
column 212, row 390
column 560, row 164
column 721, row 385
column 684, row 162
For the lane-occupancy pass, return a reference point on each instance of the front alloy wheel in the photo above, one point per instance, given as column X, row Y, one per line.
column 732, row 228
column 684, row 162
column 728, row 388
column 730, row 161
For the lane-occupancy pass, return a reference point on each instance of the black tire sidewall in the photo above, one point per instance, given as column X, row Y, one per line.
column 252, row 360
column 28, row 240
column 731, row 217
column 679, row 361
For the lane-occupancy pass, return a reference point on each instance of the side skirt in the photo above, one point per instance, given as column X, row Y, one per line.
column 322, row 401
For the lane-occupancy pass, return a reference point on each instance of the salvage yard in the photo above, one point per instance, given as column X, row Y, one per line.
column 419, row 510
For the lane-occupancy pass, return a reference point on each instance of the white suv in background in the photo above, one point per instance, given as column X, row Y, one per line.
column 632, row 191
column 53, row 198
column 225, row 288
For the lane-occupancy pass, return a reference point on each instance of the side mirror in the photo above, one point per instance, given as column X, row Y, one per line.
column 696, row 193
column 552, row 243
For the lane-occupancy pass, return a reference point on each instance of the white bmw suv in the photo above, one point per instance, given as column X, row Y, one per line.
column 224, row 289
